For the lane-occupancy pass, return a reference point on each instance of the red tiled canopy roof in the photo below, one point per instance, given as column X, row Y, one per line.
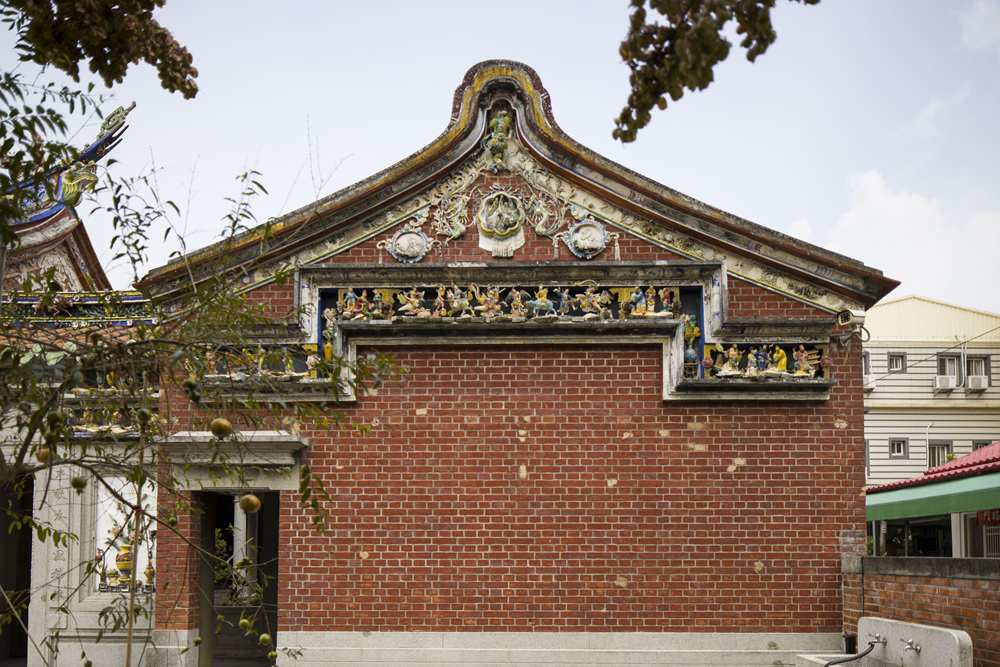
column 979, row 462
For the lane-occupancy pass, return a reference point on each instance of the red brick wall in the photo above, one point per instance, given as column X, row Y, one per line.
column 178, row 567
column 632, row 514
column 747, row 300
column 972, row 605
column 279, row 299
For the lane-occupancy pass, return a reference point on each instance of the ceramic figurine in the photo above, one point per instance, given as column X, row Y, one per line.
column 541, row 305
column 440, row 304
column 588, row 301
column 516, row 302
column 779, row 361
column 566, row 302
column 489, row 301
column 638, row 299
column 496, row 142
column 350, row 300
column 377, row 308
column 411, row 302
column 666, row 300
column 651, row 299
column 732, row 364
column 802, row 366
column 459, row 302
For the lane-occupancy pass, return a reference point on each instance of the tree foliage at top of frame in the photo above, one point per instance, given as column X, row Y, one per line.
column 110, row 36
column 675, row 45
column 63, row 34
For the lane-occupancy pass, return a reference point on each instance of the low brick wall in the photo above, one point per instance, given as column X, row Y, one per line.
column 958, row 593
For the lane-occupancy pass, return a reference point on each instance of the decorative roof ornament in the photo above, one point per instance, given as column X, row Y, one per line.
column 501, row 223
column 79, row 178
column 115, row 120
column 496, row 141
column 587, row 239
column 409, row 244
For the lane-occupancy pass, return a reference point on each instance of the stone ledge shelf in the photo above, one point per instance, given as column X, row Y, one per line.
column 777, row 389
column 255, row 459
column 273, row 388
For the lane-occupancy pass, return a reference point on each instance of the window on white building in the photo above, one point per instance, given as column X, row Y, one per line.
column 899, row 448
column 948, row 365
column 937, row 453
column 897, row 362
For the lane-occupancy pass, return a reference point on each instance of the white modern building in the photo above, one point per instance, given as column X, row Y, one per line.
column 932, row 393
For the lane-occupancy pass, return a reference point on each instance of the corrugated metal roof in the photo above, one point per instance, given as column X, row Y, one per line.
column 917, row 318
column 983, row 460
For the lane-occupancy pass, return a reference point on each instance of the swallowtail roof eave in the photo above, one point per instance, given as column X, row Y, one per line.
column 310, row 223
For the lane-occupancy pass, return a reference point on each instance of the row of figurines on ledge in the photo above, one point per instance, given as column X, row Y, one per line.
column 756, row 361
column 90, row 419
column 585, row 299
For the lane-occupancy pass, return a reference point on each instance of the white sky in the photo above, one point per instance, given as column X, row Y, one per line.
column 869, row 128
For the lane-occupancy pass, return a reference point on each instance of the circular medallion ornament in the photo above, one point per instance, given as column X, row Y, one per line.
column 501, row 223
column 409, row 245
column 587, row 238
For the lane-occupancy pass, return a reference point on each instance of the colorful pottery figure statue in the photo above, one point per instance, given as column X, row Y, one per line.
column 778, row 363
column 802, row 366
column 731, row 367
column 123, row 561
column 541, row 305
column 691, row 333
column 150, row 574
column 496, row 142
column 638, row 298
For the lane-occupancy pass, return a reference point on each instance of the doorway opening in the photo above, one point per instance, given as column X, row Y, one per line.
column 16, row 498
column 244, row 576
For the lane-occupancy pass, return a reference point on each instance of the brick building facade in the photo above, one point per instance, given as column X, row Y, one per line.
column 586, row 459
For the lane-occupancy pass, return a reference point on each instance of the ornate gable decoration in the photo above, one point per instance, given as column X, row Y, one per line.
column 504, row 228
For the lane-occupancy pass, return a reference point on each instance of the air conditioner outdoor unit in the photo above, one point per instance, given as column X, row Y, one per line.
column 944, row 383
column 867, row 382
column 977, row 382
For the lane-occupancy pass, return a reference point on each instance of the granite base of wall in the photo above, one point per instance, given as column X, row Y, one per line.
column 478, row 649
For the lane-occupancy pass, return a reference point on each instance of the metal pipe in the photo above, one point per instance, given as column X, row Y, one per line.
column 851, row 658
column 961, row 371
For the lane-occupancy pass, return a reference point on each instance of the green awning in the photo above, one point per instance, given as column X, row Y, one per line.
column 969, row 494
